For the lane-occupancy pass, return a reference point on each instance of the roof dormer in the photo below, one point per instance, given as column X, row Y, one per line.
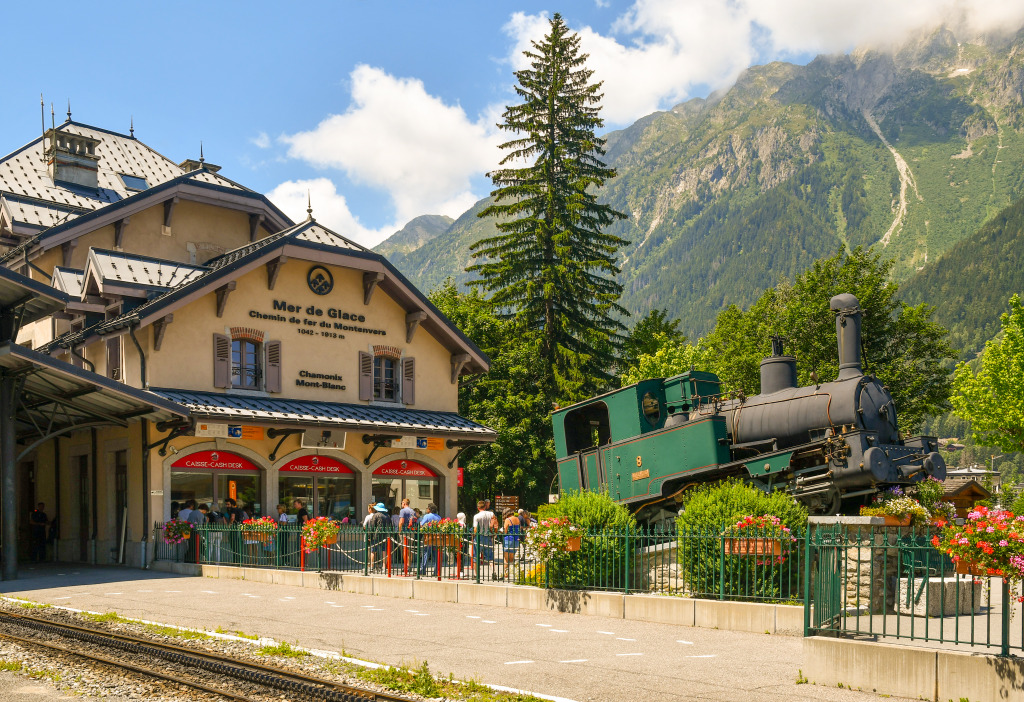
column 71, row 158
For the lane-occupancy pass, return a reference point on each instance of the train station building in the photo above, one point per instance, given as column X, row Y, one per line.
column 198, row 344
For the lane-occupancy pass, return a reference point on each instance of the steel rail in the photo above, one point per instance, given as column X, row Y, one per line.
column 126, row 666
column 258, row 673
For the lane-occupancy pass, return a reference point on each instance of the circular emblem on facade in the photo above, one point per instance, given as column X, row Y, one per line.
column 214, row 456
column 315, row 461
column 320, row 280
column 404, row 465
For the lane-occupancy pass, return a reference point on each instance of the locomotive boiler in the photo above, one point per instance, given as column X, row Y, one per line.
column 825, row 444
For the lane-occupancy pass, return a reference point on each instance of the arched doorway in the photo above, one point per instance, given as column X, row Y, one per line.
column 212, row 476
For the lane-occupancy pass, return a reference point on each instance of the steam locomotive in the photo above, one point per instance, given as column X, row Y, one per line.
column 826, row 444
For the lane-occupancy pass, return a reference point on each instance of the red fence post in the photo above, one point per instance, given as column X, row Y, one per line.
column 302, row 554
column 389, row 556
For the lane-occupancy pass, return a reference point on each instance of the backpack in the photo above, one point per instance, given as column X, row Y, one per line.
column 380, row 521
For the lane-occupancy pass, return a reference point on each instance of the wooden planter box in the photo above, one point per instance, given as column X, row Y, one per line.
column 441, row 540
column 260, row 537
column 753, row 546
column 574, row 544
column 970, row 569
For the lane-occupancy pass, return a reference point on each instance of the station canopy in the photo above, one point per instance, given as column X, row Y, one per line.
column 281, row 412
column 32, row 299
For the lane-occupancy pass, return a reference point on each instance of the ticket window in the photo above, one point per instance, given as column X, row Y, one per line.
column 388, row 491
column 420, row 492
column 324, row 496
column 244, row 489
column 192, row 486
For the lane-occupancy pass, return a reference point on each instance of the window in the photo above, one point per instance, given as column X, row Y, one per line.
column 385, row 385
column 245, row 368
column 243, row 361
column 384, row 376
column 134, row 183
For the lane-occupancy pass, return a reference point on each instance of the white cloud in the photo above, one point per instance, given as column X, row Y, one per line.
column 261, row 140
column 398, row 138
column 329, row 208
column 659, row 51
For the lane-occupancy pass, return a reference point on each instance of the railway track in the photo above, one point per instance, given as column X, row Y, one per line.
column 148, row 657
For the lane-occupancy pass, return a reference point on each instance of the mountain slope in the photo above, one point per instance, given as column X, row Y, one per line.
column 907, row 151
column 413, row 235
column 974, row 280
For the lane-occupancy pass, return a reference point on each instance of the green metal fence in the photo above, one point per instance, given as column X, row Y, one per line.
column 695, row 563
column 890, row 584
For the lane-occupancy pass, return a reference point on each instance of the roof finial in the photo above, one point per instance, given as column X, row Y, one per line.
column 131, row 129
column 53, row 124
column 309, row 205
column 201, row 159
column 69, row 109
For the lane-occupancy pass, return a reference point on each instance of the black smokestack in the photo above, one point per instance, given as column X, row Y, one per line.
column 848, row 314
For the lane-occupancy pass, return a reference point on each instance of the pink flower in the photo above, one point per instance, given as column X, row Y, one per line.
column 1004, row 542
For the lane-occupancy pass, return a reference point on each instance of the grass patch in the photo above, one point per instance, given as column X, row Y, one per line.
column 13, row 666
column 48, row 674
column 33, row 605
column 106, row 617
column 177, row 633
column 283, row 649
column 420, row 681
column 243, row 635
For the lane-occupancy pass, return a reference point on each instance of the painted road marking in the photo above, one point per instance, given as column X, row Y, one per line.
column 376, row 610
column 559, row 631
column 422, row 614
column 470, row 616
column 629, row 654
column 575, row 660
column 63, row 598
column 208, row 592
column 688, row 643
column 367, row 606
column 516, row 662
column 710, row 656
column 172, row 590
column 338, row 606
column 414, row 611
column 289, row 597
column 543, row 625
column 144, row 591
column 328, row 603
column 619, row 638
column 610, row 633
column 113, row 593
column 489, row 621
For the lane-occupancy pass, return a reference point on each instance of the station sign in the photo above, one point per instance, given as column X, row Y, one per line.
column 404, row 469
column 229, row 431
column 416, row 442
column 215, row 460
column 315, row 464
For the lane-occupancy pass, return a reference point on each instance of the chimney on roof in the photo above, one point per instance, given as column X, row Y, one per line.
column 191, row 164
column 71, row 158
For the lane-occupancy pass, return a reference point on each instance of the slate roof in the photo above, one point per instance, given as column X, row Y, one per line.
column 70, row 280
column 400, row 421
column 40, row 202
column 143, row 271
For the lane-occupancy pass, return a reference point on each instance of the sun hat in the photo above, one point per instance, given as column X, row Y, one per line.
column 380, row 507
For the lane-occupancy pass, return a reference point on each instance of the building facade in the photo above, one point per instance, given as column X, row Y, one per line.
column 296, row 363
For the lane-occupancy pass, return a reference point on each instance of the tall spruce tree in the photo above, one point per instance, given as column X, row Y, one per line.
column 551, row 266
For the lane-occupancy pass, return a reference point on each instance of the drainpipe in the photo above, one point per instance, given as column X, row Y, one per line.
column 83, row 359
column 145, row 493
column 142, row 359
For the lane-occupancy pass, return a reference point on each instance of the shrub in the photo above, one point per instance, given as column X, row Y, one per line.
column 605, row 559
column 710, row 511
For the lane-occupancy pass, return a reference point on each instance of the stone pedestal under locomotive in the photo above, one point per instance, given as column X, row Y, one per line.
column 823, row 443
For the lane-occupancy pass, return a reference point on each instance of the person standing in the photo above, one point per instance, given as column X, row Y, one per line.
column 484, row 525
column 369, row 515
column 378, row 529
column 37, row 521
column 513, row 532
column 186, row 510
column 429, row 552
column 302, row 515
column 406, row 522
column 196, row 518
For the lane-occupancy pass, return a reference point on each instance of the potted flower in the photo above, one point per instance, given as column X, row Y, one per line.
column 765, row 535
column 176, row 531
column 259, row 529
column 990, row 542
column 553, row 537
column 897, row 508
column 929, row 493
column 319, row 532
column 446, row 533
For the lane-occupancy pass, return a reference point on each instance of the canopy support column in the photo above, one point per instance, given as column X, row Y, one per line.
column 9, row 506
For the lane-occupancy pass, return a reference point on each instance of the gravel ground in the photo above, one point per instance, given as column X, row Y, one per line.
column 82, row 677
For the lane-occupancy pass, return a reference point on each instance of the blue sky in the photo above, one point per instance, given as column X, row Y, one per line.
column 386, row 110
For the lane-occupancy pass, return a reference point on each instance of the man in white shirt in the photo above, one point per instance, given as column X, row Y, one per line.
column 484, row 524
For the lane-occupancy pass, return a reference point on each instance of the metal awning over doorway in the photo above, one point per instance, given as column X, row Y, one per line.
column 52, row 398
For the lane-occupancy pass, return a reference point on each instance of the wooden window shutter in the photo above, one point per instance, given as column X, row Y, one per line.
column 365, row 376
column 273, row 374
column 409, row 381
column 114, row 358
column 221, row 361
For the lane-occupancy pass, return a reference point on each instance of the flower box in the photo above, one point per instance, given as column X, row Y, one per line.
column 330, row 540
column 753, row 546
column 442, row 540
column 897, row 521
column 574, row 544
column 260, row 537
column 965, row 568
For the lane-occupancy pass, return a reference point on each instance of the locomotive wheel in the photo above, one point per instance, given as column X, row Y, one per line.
column 833, row 502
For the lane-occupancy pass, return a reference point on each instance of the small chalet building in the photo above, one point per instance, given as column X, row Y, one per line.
column 280, row 360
